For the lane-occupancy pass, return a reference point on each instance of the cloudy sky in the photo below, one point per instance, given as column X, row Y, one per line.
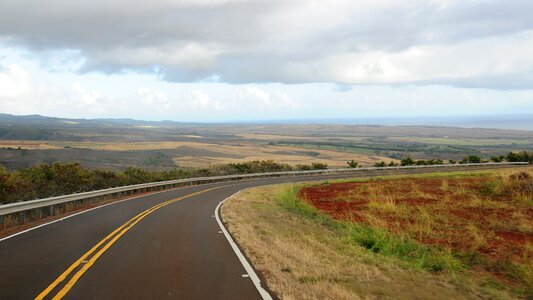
column 222, row 60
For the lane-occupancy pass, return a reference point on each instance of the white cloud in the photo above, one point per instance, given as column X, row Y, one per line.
column 198, row 100
column 462, row 43
column 90, row 101
column 191, row 56
column 155, row 99
column 459, row 64
column 256, row 97
column 27, row 88
column 14, row 81
column 20, row 93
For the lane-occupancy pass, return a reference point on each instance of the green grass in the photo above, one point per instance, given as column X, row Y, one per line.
column 376, row 240
column 287, row 198
column 464, row 142
column 490, row 189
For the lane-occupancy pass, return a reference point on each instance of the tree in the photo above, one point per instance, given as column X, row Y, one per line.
column 407, row 161
column 352, row 163
column 520, row 157
column 319, row 166
column 303, row 167
column 434, row 162
column 471, row 159
column 6, row 186
column 497, row 158
column 421, row 162
column 380, row 164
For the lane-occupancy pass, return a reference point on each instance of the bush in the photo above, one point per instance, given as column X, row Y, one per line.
column 319, row 166
column 471, row 159
column 352, row 163
column 48, row 180
column 434, row 162
column 520, row 176
column 520, row 157
column 393, row 164
column 380, row 164
column 407, row 161
column 497, row 159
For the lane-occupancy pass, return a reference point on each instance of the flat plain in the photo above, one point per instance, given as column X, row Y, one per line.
column 113, row 144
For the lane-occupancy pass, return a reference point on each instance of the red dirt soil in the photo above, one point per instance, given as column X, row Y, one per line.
column 447, row 202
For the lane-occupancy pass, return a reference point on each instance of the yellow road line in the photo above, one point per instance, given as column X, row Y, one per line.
column 112, row 237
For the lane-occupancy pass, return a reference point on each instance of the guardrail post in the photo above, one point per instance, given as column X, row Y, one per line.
column 22, row 216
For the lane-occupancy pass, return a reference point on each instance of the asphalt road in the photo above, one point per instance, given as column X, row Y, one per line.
column 173, row 251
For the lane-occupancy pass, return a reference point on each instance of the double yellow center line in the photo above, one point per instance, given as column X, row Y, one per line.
column 86, row 260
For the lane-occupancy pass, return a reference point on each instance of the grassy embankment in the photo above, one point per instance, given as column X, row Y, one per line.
column 446, row 235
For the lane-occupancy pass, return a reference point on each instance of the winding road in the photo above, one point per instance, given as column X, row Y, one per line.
column 163, row 245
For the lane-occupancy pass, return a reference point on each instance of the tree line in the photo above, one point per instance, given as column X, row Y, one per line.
column 522, row 156
column 49, row 180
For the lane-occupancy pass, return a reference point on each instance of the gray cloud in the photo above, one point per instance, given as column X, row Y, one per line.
column 347, row 42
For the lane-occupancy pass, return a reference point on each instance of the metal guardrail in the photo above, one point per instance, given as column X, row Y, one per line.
column 20, row 207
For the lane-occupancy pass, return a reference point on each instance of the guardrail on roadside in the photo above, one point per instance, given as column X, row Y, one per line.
column 37, row 209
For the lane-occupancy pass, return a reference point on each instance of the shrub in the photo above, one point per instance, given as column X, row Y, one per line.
column 47, row 180
column 471, row 159
column 520, row 176
column 497, row 159
column 352, row 163
column 380, row 164
column 319, row 166
column 520, row 183
column 435, row 162
column 520, row 157
column 393, row 164
column 408, row 161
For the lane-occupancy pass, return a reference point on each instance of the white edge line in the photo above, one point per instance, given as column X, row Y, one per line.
column 64, row 218
column 90, row 209
column 253, row 276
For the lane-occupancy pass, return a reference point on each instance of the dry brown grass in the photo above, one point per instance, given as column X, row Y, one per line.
column 30, row 145
column 485, row 220
column 302, row 259
column 231, row 152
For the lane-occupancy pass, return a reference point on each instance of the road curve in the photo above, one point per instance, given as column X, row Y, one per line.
column 168, row 245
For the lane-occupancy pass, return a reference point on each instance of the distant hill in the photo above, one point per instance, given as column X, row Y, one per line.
column 8, row 119
column 514, row 122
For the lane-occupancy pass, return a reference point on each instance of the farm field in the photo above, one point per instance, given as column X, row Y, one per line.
column 447, row 235
column 168, row 154
column 202, row 154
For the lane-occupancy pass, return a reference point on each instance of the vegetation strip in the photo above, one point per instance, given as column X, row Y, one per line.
column 44, row 180
column 103, row 245
column 49, row 180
